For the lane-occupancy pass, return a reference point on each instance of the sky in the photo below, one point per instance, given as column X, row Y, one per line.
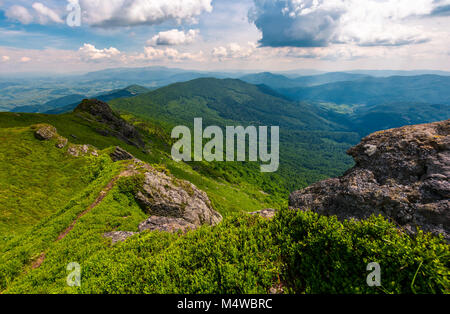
column 65, row 36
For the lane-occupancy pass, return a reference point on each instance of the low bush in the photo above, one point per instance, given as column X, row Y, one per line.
column 322, row 255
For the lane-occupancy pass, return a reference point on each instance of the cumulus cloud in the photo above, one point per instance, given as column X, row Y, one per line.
column 319, row 23
column 233, row 51
column 156, row 54
column 25, row 59
column 40, row 14
column 19, row 13
column 5, row 58
column 90, row 53
column 337, row 52
column 107, row 13
column 174, row 37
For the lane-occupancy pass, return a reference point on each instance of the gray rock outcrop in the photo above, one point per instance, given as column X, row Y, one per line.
column 45, row 132
column 120, row 154
column 165, row 196
column 116, row 126
column 173, row 205
column 402, row 174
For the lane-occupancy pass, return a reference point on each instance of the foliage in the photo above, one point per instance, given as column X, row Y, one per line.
column 323, row 255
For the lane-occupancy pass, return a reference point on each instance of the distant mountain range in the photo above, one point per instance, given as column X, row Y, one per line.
column 69, row 103
column 281, row 82
column 373, row 91
column 29, row 93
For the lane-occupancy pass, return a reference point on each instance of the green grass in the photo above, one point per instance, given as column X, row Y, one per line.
column 234, row 193
column 302, row 251
column 36, row 179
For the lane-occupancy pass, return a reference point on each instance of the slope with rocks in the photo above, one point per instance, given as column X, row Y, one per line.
column 121, row 195
column 402, row 174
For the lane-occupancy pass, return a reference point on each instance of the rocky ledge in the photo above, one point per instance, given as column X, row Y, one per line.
column 402, row 174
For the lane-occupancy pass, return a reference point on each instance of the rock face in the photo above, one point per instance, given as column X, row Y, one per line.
column 165, row 196
column 118, row 127
column 120, row 154
column 403, row 174
column 45, row 132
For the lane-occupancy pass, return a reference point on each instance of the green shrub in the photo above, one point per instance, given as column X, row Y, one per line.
column 238, row 256
column 323, row 255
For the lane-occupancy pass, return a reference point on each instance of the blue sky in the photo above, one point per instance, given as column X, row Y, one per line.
column 225, row 34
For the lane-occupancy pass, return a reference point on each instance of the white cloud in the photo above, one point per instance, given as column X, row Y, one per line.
column 41, row 14
column 45, row 14
column 108, row 13
column 89, row 53
column 334, row 53
column 19, row 13
column 155, row 54
column 25, row 59
column 233, row 51
column 318, row 23
column 174, row 37
column 5, row 58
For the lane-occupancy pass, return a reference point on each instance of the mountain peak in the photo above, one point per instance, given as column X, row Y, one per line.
column 95, row 107
column 112, row 121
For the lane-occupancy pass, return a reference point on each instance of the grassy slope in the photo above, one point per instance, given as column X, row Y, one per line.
column 35, row 179
column 226, row 197
column 242, row 255
column 44, row 190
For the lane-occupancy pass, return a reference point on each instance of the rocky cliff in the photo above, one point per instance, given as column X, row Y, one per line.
column 114, row 124
column 402, row 174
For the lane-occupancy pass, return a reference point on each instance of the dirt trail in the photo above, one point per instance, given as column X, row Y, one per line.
column 38, row 262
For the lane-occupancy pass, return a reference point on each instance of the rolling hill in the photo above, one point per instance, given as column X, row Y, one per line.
column 280, row 82
column 130, row 91
column 312, row 147
column 56, row 104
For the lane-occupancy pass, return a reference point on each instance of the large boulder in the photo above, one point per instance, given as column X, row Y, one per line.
column 402, row 174
column 45, row 132
column 165, row 196
column 173, row 205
